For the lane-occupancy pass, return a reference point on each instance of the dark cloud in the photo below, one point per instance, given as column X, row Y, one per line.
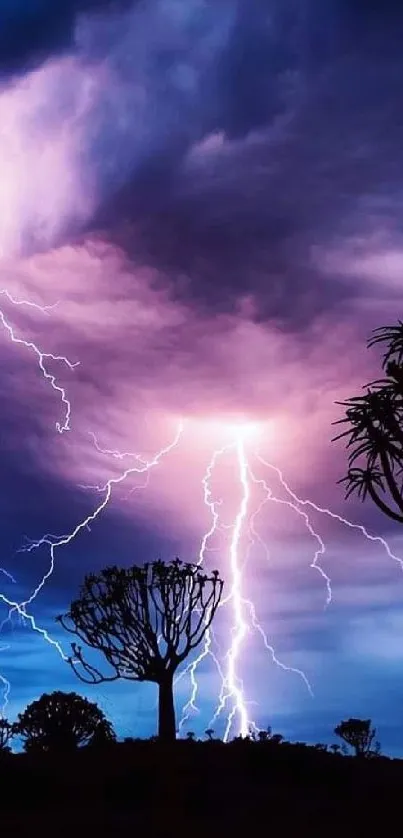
column 33, row 30
column 311, row 153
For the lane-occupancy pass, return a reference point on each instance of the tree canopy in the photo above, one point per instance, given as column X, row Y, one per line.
column 360, row 735
column 60, row 722
column 375, row 431
column 145, row 621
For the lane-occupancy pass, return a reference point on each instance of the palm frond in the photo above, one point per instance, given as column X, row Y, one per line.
column 393, row 335
column 361, row 480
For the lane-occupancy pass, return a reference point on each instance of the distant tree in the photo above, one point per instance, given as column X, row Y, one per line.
column 61, row 722
column 266, row 736
column 375, row 431
column 210, row 734
column 359, row 735
column 6, row 733
column 276, row 739
column 145, row 621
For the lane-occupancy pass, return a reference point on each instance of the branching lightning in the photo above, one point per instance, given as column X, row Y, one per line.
column 294, row 505
column 244, row 616
column 42, row 357
column 232, row 690
column 55, row 542
column 52, row 541
column 236, row 607
column 324, row 511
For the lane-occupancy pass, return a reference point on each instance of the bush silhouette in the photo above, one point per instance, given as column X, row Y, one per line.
column 360, row 735
column 61, row 722
column 145, row 621
column 375, row 431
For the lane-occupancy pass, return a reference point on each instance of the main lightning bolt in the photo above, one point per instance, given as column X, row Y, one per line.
column 244, row 616
column 240, row 629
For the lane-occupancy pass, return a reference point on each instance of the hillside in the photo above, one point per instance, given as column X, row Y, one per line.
column 198, row 789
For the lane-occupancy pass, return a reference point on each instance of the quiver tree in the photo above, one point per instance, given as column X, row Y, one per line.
column 360, row 735
column 61, row 722
column 145, row 621
column 375, row 431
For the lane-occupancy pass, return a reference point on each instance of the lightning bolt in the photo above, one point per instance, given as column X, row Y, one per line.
column 6, row 687
column 191, row 669
column 52, row 541
column 298, row 502
column 244, row 616
column 112, row 452
column 321, row 549
column 242, row 611
column 241, row 628
column 55, row 542
column 232, row 689
column 42, row 357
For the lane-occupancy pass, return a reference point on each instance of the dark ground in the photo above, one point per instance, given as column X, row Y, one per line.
column 199, row 789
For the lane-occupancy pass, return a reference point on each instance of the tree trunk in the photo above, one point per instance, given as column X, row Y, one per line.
column 166, row 710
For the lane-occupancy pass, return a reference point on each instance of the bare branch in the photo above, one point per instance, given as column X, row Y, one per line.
column 144, row 620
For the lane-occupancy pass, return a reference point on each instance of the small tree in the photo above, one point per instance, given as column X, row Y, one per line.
column 6, row 732
column 145, row 621
column 375, row 431
column 61, row 722
column 360, row 735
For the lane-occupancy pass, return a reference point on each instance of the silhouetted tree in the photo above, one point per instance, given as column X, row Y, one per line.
column 61, row 722
column 360, row 735
column 276, row 739
column 145, row 621
column 6, row 732
column 375, row 431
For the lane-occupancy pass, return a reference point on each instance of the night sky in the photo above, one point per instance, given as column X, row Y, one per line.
column 211, row 192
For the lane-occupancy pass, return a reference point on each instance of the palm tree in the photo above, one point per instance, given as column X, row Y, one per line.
column 375, row 431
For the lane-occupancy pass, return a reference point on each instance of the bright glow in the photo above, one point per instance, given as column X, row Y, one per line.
column 228, row 428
